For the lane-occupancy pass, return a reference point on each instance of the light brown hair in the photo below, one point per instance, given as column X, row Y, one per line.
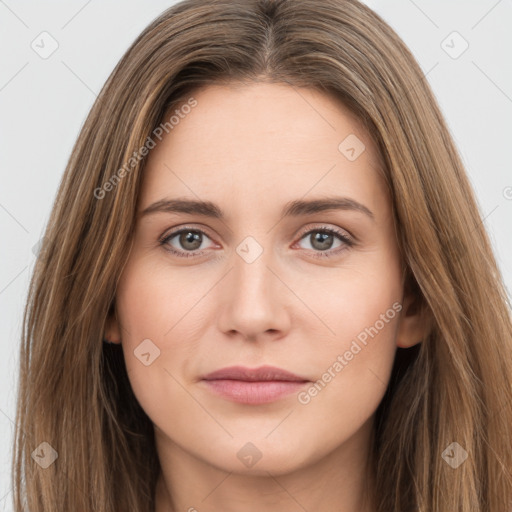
column 455, row 386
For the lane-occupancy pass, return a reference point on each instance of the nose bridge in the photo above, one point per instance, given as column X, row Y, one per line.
column 251, row 272
column 251, row 275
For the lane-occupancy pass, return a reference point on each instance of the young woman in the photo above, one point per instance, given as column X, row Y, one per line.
column 265, row 284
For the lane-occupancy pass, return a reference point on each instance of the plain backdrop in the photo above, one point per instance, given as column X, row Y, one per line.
column 44, row 102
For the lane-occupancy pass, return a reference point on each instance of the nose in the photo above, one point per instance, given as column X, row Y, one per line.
column 254, row 303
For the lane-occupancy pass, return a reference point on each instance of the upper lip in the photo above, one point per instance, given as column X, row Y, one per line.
column 263, row 373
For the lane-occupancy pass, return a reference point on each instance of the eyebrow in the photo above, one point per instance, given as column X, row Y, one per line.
column 291, row 209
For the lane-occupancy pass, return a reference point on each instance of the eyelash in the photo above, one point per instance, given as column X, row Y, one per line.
column 347, row 241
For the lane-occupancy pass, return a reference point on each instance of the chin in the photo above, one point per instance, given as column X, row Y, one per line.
column 261, row 457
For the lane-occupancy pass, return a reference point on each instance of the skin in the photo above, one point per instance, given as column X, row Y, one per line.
column 251, row 149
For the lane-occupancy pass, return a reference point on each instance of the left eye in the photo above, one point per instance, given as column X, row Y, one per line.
column 323, row 239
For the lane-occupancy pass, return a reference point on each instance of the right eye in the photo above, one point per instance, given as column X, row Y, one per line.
column 188, row 240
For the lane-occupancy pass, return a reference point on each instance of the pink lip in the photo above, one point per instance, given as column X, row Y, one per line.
column 253, row 386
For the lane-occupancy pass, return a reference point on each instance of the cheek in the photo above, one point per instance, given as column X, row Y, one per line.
column 353, row 371
column 147, row 308
column 153, row 301
column 361, row 309
column 358, row 299
column 160, row 317
column 367, row 310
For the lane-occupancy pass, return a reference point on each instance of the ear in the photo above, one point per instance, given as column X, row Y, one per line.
column 414, row 324
column 112, row 331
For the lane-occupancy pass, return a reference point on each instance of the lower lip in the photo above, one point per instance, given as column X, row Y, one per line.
column 260, row 392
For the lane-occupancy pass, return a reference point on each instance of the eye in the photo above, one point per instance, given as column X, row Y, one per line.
column 185, row 242
column 322, row 241
column 188, row 242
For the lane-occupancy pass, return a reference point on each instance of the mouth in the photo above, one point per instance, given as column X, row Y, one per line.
column 253, row 386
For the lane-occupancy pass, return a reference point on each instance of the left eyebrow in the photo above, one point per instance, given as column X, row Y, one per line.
column 291, row 209
column 300, row 207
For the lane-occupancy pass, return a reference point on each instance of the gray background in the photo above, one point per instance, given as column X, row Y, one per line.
column 44, row 103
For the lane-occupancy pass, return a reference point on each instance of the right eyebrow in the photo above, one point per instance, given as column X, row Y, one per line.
column 206, row 208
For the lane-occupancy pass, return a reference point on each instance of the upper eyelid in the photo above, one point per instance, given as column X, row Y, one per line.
column 324, row 227
column 175, row 231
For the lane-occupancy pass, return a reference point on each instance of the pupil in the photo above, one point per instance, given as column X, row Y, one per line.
column 319, row 241
column 192, row 238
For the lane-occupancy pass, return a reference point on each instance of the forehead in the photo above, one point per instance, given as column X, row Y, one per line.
column 271, row 140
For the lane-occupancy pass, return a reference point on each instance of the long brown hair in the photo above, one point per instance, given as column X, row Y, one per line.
column 454, row 387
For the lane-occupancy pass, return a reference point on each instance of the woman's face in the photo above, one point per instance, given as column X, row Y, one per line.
column 267, row 275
